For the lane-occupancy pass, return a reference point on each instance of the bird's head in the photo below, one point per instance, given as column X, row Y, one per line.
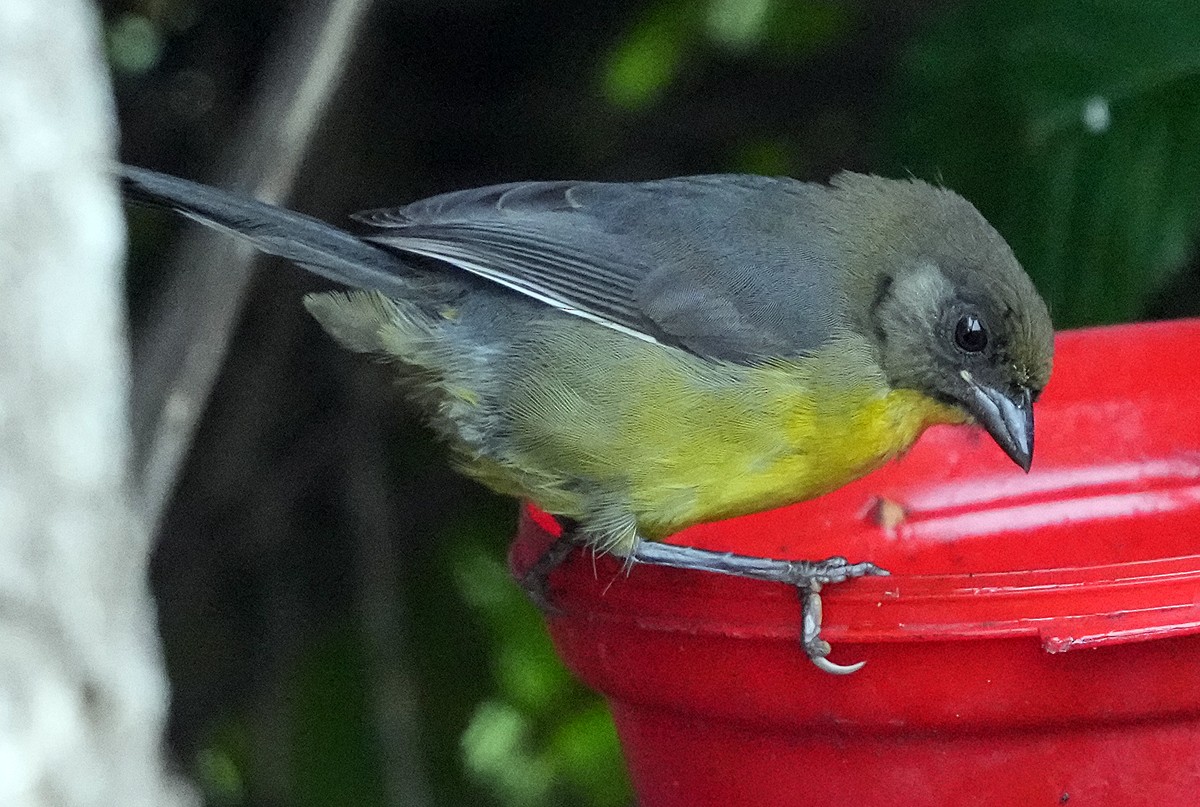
column 948, row 308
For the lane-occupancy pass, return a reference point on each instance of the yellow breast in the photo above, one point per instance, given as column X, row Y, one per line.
column 635, row 439
column 779, row 440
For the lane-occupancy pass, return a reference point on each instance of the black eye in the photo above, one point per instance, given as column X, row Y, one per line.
column 970, row 335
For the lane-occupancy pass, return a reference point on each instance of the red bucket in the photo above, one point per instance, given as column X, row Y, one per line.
column 1036, row 644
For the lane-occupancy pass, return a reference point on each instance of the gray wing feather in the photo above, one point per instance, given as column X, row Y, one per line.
column 725, row 266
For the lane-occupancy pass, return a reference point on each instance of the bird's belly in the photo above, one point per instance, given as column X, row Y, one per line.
column 705, row 481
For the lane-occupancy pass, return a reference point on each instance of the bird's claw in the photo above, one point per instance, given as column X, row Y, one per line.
column 816, row 648
column 810, row 577
column 825, row 665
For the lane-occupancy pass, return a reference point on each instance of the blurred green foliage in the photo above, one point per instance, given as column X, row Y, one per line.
column 666, row 37
column 650, row 55
column 135, row 43
column 540, row 738
column 1074, row 126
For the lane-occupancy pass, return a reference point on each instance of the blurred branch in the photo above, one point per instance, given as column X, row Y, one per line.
column 82, row 691
column 384, row 621
column 184, row 342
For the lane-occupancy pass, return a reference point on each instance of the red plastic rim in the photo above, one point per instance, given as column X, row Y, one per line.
column 1097, row 545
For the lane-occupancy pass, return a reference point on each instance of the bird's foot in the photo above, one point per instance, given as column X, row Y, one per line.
column 809, row 577
column 808, row 573
column 536, row 581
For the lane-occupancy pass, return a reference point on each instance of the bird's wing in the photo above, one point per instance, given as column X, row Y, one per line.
column 717, row 265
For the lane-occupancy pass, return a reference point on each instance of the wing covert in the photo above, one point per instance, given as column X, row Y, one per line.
column 692, row 262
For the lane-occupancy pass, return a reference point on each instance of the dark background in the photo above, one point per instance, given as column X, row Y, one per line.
column 337, row 619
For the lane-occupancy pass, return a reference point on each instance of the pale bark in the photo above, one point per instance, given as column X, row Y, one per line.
column 82, row 690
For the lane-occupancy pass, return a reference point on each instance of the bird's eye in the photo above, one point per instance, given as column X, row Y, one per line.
column 970, row 335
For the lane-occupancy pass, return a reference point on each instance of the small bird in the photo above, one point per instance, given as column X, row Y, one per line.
column 640, row 357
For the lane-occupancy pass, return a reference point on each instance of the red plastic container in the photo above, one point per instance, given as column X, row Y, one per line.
column 1036, row 644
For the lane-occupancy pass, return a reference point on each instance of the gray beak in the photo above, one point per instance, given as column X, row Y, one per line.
column 1008, row 418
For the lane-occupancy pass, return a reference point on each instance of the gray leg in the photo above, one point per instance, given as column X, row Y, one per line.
column 807, row 576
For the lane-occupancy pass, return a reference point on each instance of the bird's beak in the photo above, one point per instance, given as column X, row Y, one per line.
column 1008, row 418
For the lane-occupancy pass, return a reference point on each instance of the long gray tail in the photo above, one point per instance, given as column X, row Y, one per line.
column 313, row 244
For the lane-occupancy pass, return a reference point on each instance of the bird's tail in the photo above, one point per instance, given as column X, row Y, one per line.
column 313, row 244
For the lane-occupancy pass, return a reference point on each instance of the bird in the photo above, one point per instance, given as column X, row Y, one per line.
column 639, row 357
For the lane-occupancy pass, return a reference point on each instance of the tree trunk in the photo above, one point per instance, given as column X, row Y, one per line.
column 82, row 689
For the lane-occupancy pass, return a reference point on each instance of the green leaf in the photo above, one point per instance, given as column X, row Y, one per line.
column 651, row 54
column 497, row 749
column 223, row 763
column 799, row 27
column 541, row 733
column 737, row 23
column 588, row 756
column 135, row 43
column 334, row 756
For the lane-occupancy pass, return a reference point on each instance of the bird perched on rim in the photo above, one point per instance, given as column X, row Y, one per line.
column 641, row 357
